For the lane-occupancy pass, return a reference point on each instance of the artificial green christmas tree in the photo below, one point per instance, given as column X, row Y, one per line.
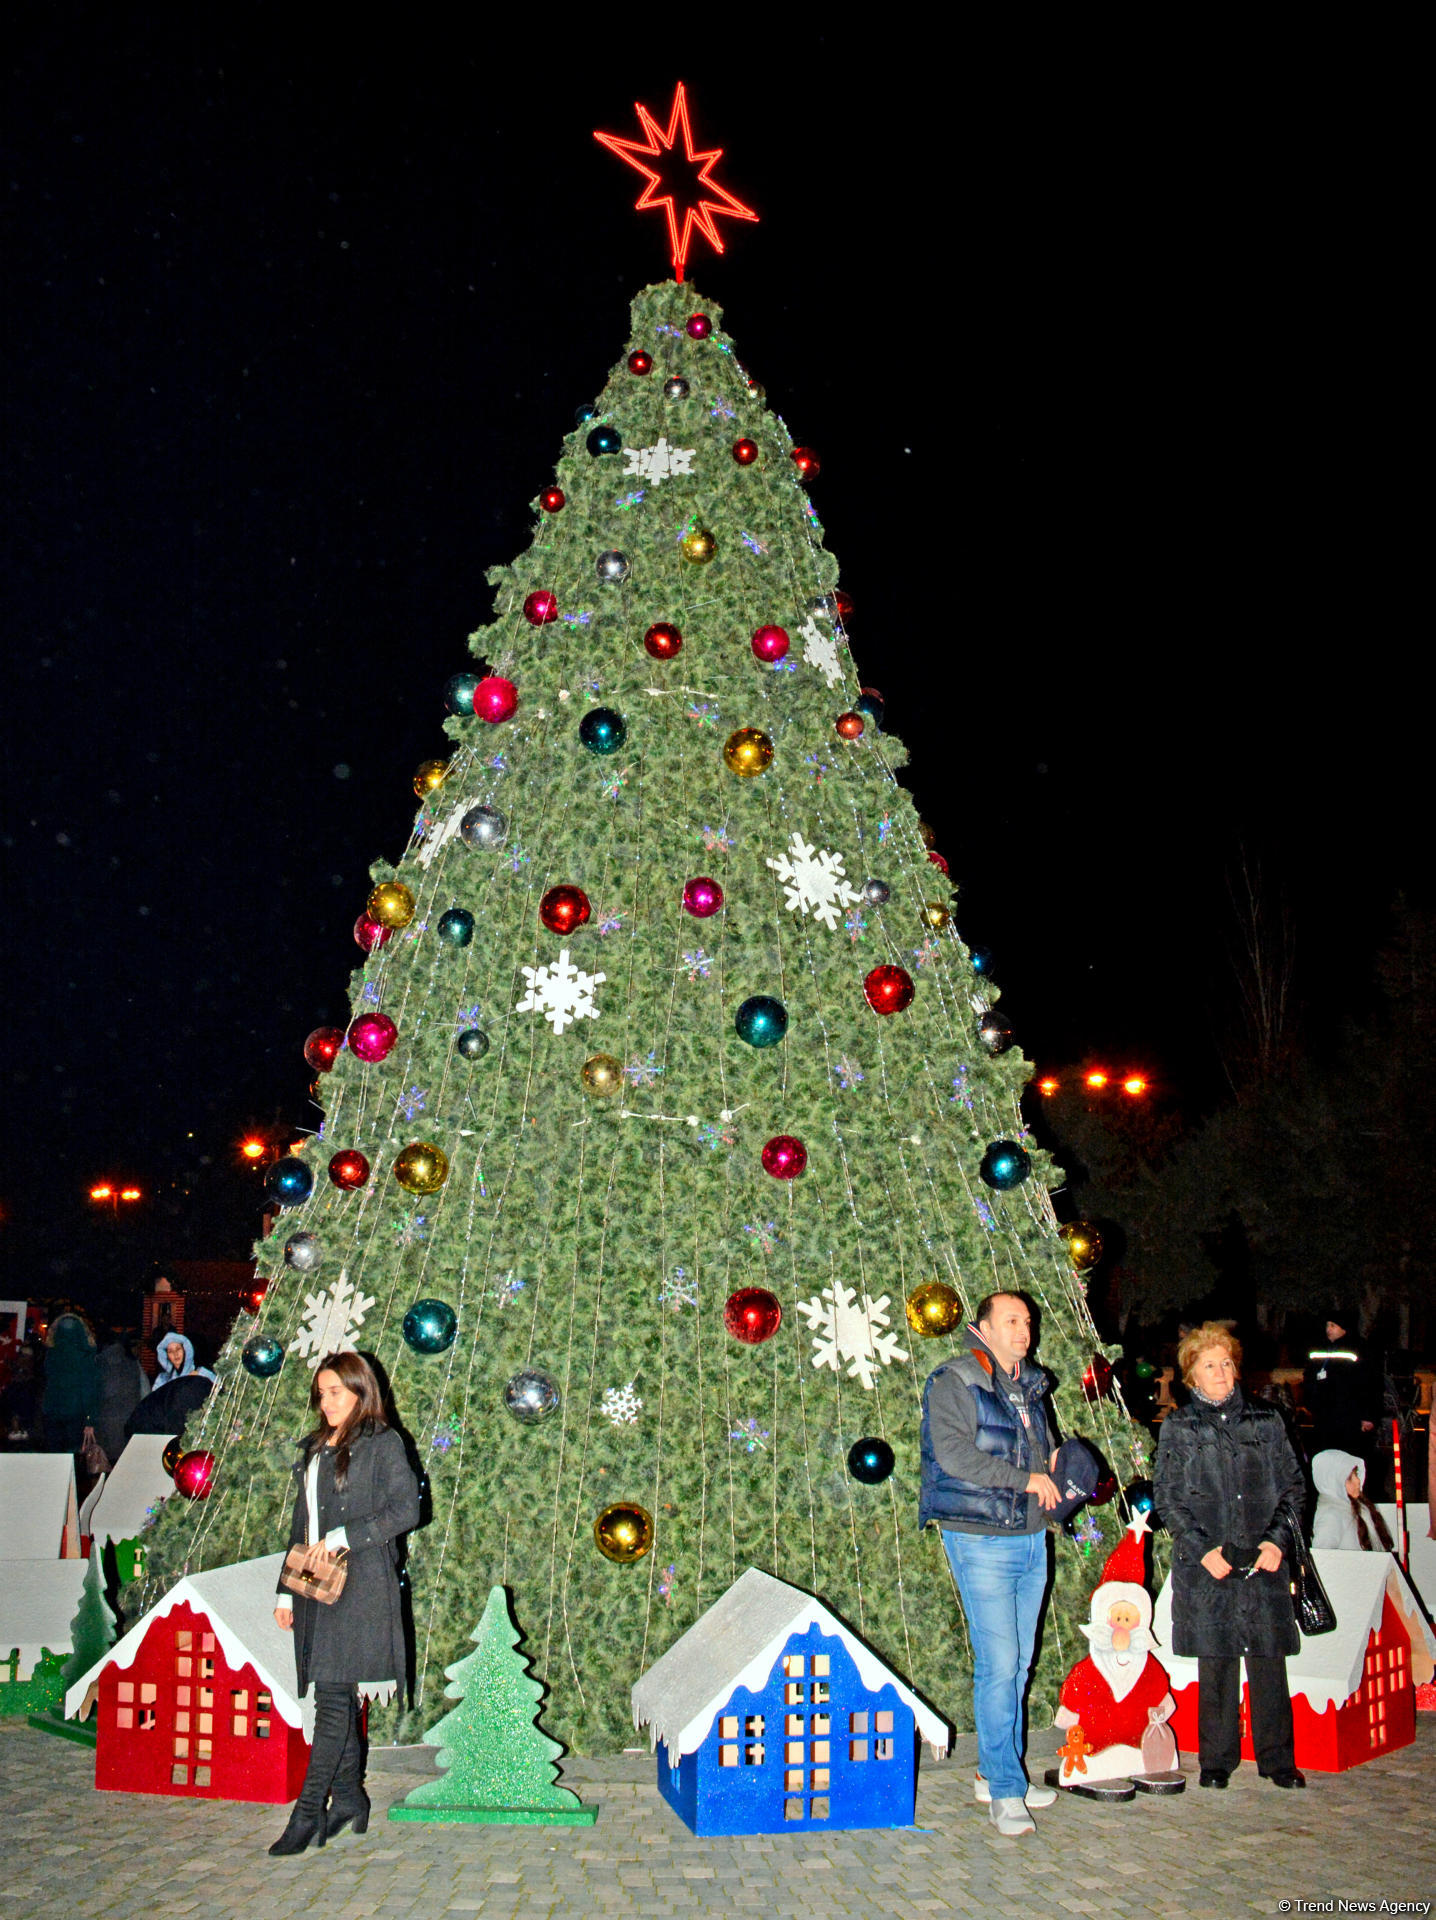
column 676, row 1134
column 496, row 1766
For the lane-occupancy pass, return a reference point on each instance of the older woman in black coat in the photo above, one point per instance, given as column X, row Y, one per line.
column 356, row 1491
column 1229, row 1488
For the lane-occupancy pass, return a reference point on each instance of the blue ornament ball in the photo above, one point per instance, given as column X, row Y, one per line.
column 290, row 1181
column 871, row 705
column 263, row 1356
column 456, row 927
column 602, row 730
column 430, row 1326
column 1005, row 1165
column 459, row 692
column 473, row 1043
column 981, row 958
column 870, row 1460
column 605, row 440
column 584, row 413
column 761, row 1021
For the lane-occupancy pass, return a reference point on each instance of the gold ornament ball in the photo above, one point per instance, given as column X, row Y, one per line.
column 933, row 1308
column 421, row 1167
column 699, row 546
column 601, row 1075
column 748, row 751
column 935, row 914
column 623, row 1532
column 428, row 775
column 391, row 904
column 1083, row 1244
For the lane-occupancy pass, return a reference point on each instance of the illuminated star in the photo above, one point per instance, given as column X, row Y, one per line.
column 666, row 185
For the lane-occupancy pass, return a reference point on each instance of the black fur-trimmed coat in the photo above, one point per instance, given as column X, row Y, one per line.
column 1229, row 1477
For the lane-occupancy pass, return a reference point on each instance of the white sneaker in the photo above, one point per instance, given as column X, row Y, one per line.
column 1011, row 1818
column 1035, row 1796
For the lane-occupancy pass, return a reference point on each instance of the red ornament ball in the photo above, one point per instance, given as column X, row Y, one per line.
column 888, row 989
column 640, row 362
column 849, row 726
column 369, row 933
column 541, row 607
column 699, row 326
column 745, row 452
column 564, row 908
column 349, row 1169
column 702, row 897
column 752, row 1315
column 371, row 1037
column 552, row 500
column 496, row 699
column 770, row 643
column 937, row 860
column 663, row 642
column 1097, row 1380
column 323, row 1046
column 784, row 1157
column 842, row 604
column 194, row 1474
column 807, row 462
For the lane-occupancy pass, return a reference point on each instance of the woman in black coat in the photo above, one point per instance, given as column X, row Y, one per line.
column 356, row 1491
column 1229, row 1488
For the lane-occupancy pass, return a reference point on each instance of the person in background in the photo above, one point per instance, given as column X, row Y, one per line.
column 72, row 1384
column 1345, row 1517
column 123, row 1384
column 175, row 1353
column 1341, row 1389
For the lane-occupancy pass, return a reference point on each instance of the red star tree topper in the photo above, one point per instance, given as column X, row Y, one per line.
column 670, row 183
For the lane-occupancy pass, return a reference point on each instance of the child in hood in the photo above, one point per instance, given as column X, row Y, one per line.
column 175, row 1353
column 1345, row 1517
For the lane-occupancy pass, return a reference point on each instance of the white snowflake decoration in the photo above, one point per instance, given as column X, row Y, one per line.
column 820, row 650
column 658, row 462
column 814, row 881
column 332, row 1317
column 562, row 993
column 843, row 1329
column 621, row 1405
column 441, row 836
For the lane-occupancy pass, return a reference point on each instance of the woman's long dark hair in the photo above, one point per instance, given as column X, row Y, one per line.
column 357, row 1375
column 1362, row 1510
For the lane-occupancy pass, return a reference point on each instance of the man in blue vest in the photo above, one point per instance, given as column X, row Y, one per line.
column 987, row 1459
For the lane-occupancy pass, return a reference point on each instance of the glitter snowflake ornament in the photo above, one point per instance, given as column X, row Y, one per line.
column 562, row 993
column 621, row 1406
column 820, row 650
column 814, row 881
column 658, row 462
column 845, row 1329
column 331, row 1319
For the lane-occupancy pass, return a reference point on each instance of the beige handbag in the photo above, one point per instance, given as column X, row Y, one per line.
column 315, row 1573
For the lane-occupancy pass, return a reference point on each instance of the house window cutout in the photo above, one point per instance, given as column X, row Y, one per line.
column 206, row 1723
column 820, row 1809
column 793, row 1754
column 793, row 1809
column 241, row 1726
column 206, row 1669
column 149, row 1693
column 857, row 1749
column 184, row 1666
column 822, row 1723
column 822, row 1665
column 794, row 1694
column 821, row 1753
column 207, row 1644
column 753, row 1727
column 124, row 1716
column 728, row 1727
column 753, row 1754
column 819, row 1782
column 201, row 1776
column 181, row 1749
column 206, row 1696
column 262, row 1701
column 181, row 1723
column 182, row 1695
column 794, row 1665
column 204, row 1749
column 857, row 1723
column 125, row 1690
column 239, row 1698
column 261, row 1729
column 179, row 1776
column 883, row 1749
column 793, row 1726
column 728, row 1756
column 882, row 1723
column 184, row 1641
column 820, row 1690
column 147, row 1719
column 793, row 1780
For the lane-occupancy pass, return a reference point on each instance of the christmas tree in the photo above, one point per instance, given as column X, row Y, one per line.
column 675, row 1133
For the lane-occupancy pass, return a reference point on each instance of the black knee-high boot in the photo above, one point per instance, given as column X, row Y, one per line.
column 349, row 1804
column 307, row 1823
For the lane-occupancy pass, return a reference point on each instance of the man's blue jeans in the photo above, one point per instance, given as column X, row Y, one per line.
column 1002, row 1580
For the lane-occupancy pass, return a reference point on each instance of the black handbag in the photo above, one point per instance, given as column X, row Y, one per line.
column 1309, row 1601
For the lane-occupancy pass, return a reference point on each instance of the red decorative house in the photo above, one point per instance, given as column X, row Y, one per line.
column 200, row 1699
column 1353, row 1691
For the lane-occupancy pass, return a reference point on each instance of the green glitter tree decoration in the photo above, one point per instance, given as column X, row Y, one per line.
column 496, row 1761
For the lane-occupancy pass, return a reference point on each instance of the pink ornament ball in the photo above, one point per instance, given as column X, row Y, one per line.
column 770, row 644
column 541, row 607
column 496, row 699
column 369, row 933
column 784, row 1157
column 699, row 326
column 702, row 897
column 371, row 1037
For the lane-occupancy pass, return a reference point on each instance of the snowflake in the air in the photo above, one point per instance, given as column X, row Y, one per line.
column 924, row 955
column 627, row 500
column 665, row 1585
column 658, row 462
column 562, row 993
column 698, row 963
column 765, row 1232
column 814, row 881
column 642, row 1073
column 621, row 1405
column 611, row 788
column 854, row 925
column 820, row 650
column 410, row 1228
column 720, row 410
column 506, row 1288
column 750, row 1434
column 715, row 1137
column 885, row 827
column 498, row 762
column 716, row 840
column 843, row 1329
column 572, row 620
column 467, row 1017
column 679, row 1290
column 752, row 542
column 703, row 712
column 518, row 856
column 608, row 921
column 445, row 1434
column 783, row 666
column 413, row 1102
column 961, row 1091
column 371, row 993
column 1087, row 1534
column 847, row 1072
column 984, row 1214
column 332, row 1317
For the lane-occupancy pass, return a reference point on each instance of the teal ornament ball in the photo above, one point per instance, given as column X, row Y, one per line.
column 605, row 440
column 531, row 1395
column 263, row 1356
column 602, row 730
column 1005, row 1165
column 870, row 1460
column 430, row 1326
column 459, row 692
column 456, row 927
column 761, row 1021
column 473, row 1043
column 289, row 1181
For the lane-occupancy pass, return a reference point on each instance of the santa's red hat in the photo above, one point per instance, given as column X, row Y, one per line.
column 1127, row 1561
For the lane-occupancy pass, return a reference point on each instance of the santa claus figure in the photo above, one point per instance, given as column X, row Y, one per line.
column 1115, row 1704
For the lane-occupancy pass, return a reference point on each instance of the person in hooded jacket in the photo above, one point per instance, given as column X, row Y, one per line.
column 1345, row 1518
column 72, row 1384
column 180, row 1387
column 356, row 1491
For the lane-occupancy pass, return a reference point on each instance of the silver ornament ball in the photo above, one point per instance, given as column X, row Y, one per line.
column 876, row 893
column 531, row 1395
column 483, row 827
column 303, row 1252
column 676, row 388
column 613, row 568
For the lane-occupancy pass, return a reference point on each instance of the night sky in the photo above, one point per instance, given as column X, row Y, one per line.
column 295, row 321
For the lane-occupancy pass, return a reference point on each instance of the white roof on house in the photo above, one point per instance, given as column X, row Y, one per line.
column 38, row 1600
column 1421, row 1551
column 37, row 1503
column 137, row 1483
column 1327, row 1670
column 735, row 1644
column 238, row 1602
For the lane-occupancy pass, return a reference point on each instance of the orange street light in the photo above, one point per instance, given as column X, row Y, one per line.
column 106, row 1191
column 130, row 1193
column 1096, row 1078
column 102, row 1193
column 1134, row 1085
column 252, row 1149
column 1048, row 1086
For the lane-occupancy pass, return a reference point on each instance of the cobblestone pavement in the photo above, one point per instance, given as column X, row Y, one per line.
column 1364, row 1835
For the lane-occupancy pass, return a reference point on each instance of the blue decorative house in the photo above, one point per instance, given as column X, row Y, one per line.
column 776, row 1718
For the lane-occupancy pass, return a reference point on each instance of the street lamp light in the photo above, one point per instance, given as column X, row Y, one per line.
column 106, row 1193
